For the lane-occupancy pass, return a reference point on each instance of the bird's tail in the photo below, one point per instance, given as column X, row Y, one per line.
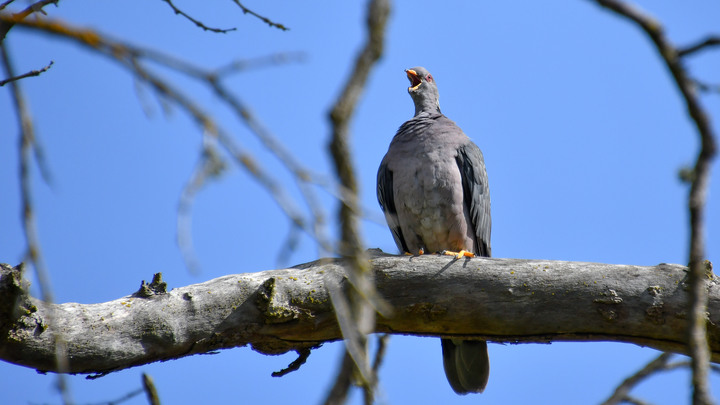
column 467, row 365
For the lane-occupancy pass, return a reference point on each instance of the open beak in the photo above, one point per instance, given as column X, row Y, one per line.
column 414, row 79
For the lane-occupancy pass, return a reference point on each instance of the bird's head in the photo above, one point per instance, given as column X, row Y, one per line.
column 423, row 90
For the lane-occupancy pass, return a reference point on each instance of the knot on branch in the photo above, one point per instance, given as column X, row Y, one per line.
column 156, row 287
column 12, row 284
column 18, row 315
column 709, row 269
column 610, row 297
column 274, row 304
column 655, row 313
column 280, row 303
column 608, row 305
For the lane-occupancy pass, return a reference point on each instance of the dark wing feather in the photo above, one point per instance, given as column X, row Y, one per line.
column 476, row 194
column 386, row 199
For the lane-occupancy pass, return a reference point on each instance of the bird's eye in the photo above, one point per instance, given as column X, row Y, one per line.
column 429, row 78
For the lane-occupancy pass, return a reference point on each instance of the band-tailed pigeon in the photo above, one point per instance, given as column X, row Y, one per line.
column 433, row 188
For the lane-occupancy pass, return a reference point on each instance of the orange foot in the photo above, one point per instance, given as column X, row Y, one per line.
column 459, row 254
column 420, row 252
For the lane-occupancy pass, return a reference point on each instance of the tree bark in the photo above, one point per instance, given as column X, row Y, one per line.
column 275, row 311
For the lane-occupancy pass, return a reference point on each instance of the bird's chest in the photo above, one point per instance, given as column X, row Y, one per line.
column 428, row 184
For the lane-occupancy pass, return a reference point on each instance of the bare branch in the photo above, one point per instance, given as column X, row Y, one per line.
column 622, row 391
column 303, row 355
column 266, row 20
column 301, row 175
column 380, row 353
column 209, row 166
column 7, row 24
column 37, row 7
column 343, row 380
column 699, row 267
column 150, row 390
column 670, row 56
column 265, row 61
column 27, row 138
column 5, row 4
column 34, row 252
column 634, row 401
column 196, row 22
column 659, row 364
column 708, row 88
column 28, row 74
column 355, row 311
column 289, row 310
column 126, row 397
column 340, row 117
column 131, row 58
column 706, row 43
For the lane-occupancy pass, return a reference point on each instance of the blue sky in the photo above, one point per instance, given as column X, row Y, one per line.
column 582, row 129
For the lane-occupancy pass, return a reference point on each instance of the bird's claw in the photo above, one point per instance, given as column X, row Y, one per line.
column 458, row 255
column 420, row 253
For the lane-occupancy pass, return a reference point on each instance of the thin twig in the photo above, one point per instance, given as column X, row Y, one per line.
column 261, row 62
column 706, row 43
column 303, row 355
column 130, row 395
column 682, row 364
column 708, row 88
column 340, row 389
column 196, row 22
column 301, row 175
column 697, row 320
column 5, row 4
column 6, row 25
column 28, row 74
column 622, row 391
column 380, row 353
column 150, row 390
column 634, row 401
column 209, row 166
column 659, row 364
column 266, row 20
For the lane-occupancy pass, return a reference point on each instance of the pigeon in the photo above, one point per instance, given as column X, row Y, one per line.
column 433, row 189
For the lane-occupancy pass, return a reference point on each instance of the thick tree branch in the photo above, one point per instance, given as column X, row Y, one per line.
column 501, row 300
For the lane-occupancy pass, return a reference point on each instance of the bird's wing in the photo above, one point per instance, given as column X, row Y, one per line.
column 386, row 198
column 476, row 194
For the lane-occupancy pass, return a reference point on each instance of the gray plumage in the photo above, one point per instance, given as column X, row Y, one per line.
column 433, row 188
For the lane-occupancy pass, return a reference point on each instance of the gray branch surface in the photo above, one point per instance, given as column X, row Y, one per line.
column 275, row 311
